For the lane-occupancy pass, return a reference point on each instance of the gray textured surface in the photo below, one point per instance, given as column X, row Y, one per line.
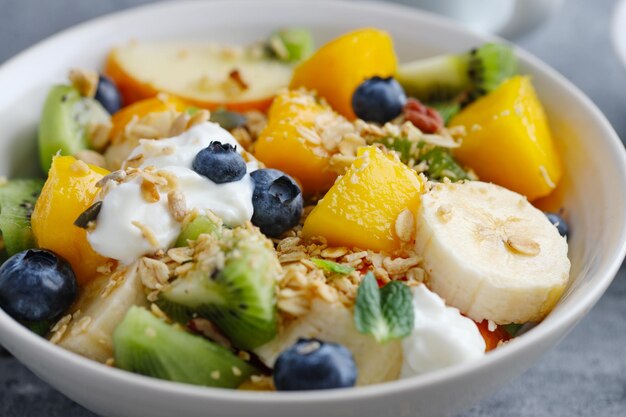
column 584, row 376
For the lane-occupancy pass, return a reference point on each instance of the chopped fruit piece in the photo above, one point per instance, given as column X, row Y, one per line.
column 508, row 140
column 146, row 345
column 311, row 364
column 334, row 322
column 151, row 112
column 291, row 44
column 492, row 338
column 199, row 226
column 36, row 285
column 277, row 201
column 291, row 143
column 67, row 123
column 378, row 100
column 205, row 75
column 239, row 297
column 361, row 209
column 338, row 67
column 490, row 253
column 446, row 77
column 68, row 192
column 100, row 308
column 17, row 201
column 143, row 108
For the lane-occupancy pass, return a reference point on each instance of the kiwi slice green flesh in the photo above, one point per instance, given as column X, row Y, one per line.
column 17, row 201
column 64, row 123
column 238, row 298
column 291, row 44
column 146, row 345
column 445, row 77
column 198, row 226
column 441, row 164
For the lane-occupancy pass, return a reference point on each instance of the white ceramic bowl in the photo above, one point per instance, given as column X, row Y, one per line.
column 594, row 183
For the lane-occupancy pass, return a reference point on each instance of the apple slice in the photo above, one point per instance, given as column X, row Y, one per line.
column 206, row 75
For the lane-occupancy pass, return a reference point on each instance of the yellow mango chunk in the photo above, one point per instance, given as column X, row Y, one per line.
column 142, row 108
column 69, row 190
column 508, row 141
column 361, row 209
column 283, row 144
column 338, row 67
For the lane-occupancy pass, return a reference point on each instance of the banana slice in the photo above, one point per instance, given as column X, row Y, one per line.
column 101, row 307
column 333, row 322
column 490, row 253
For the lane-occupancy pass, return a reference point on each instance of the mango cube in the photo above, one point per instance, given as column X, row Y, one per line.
column 288, row 142
column 361, row 209
column 508, row 140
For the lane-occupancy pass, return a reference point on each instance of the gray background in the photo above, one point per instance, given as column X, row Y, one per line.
column 584, row 376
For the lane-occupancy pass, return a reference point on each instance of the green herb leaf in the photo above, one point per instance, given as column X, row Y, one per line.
column 385, row 313
column 332, row 267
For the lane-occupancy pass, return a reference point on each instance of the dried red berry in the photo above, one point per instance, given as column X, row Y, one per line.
column 425, row 118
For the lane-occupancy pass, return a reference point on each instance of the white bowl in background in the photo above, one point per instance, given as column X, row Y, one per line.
column 594, row 198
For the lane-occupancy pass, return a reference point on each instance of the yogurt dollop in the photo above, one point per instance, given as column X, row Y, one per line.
column 441, row 336
column 125, row 215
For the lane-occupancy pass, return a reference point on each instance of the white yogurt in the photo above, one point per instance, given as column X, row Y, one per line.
column 115, row 235
column 181, row 150
column 441, row 336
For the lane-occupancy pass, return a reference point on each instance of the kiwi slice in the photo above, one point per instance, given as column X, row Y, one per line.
column 198, row 226
column 446, row 77
column 441, row 164
column 65, row 122
column 146, row 345
column 239, row 298
column 17, row 201
column 291, row 44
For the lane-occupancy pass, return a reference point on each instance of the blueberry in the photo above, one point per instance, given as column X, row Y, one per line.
column 108, row 95
column 559, row 222
column 277, row 201
column 311, row 364
column 36, row 285
column 378, row 100
column 220, row 163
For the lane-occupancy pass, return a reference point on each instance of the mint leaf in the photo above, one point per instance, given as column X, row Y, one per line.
column 397, row 309
column 332, row 267
column 385, row 313
column 368, row 315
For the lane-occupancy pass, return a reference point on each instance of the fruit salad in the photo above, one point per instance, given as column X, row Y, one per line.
column 283, row 217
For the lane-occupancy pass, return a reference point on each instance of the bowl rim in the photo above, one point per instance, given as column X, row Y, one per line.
column 566, row 319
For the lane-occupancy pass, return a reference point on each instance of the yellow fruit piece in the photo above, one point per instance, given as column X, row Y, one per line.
column 69, row 190
column 283, row 144
column 508, row 140
column 361, row 209
column 338, row 67
column 142, row 108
